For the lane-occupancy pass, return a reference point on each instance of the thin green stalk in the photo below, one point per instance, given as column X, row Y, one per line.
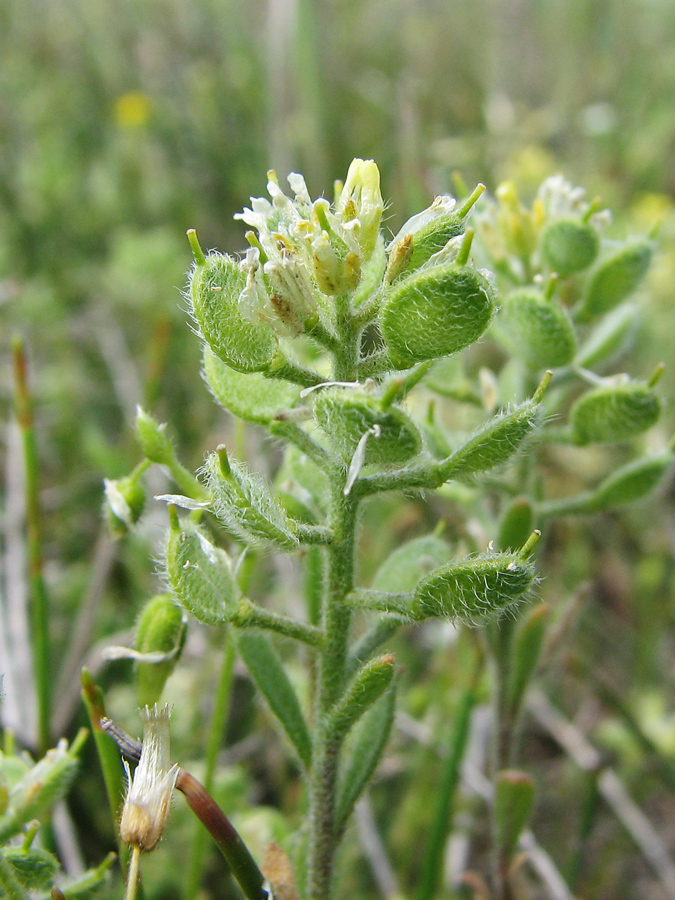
column 251, row 616
column 432, row 865
column 108, row 755
column 221, row 706
column 39, row 600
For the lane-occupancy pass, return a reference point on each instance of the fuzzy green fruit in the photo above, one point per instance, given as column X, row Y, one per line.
column 538, row 331
column 435, row 313
column 475, row 589
column 215, row 287
column 346, row 416
column 569, row 246
column 614, row 413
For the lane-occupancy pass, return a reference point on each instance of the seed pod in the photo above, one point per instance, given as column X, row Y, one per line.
column 476, row 589
column 200, row 574
column 494, row 444
column 435, row 313
column 632, row 481
column 614, row 412
column 616, row 277
column 538, row 330
column 251, row 396
column 569, row 246
column 245, row 503
column 347, row 415
column 160, row 629
column 215, row 287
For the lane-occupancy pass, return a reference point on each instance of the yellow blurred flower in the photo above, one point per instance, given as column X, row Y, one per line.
column 132, row 110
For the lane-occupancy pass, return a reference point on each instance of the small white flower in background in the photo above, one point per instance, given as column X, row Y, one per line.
column 148, row 801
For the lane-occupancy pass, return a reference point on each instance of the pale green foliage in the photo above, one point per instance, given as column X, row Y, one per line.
column 251, row 397
column 616, row 277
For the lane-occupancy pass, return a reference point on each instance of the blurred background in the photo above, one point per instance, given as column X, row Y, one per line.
column 122, row 124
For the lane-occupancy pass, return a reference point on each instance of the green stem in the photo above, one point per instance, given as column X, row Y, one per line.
column 39, row 601
column 251, row 616
column 330, row 683
column 292, row 432
column 108, row 755
column 221, row 706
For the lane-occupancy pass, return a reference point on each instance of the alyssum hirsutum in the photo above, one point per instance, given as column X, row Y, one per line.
column 346, row 348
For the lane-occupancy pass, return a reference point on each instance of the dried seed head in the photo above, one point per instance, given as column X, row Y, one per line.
column 148, row 800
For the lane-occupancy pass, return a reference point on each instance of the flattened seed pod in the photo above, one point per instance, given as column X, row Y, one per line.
column 614, row 413
column 539, row 331
column 475, row 589
column 346, row 416
column 215, row 286
column 435, row 313
column 200, row 574
column 616, row 277
column 569, row 245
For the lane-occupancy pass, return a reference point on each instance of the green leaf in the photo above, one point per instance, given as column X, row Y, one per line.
column 34, row 868
column 608, row 337
column 514, row 800
column 516, row 524
column 361, row 755
column 616, row 277
column 243, row 500
column 525, row 652
column 632, row 481
column 269, row 675
column 250, row 396
column 200, row 574
column 410, row 562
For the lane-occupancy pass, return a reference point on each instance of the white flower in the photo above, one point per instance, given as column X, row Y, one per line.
column 148, row 801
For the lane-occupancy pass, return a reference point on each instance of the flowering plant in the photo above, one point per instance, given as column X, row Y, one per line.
column 343, row 346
